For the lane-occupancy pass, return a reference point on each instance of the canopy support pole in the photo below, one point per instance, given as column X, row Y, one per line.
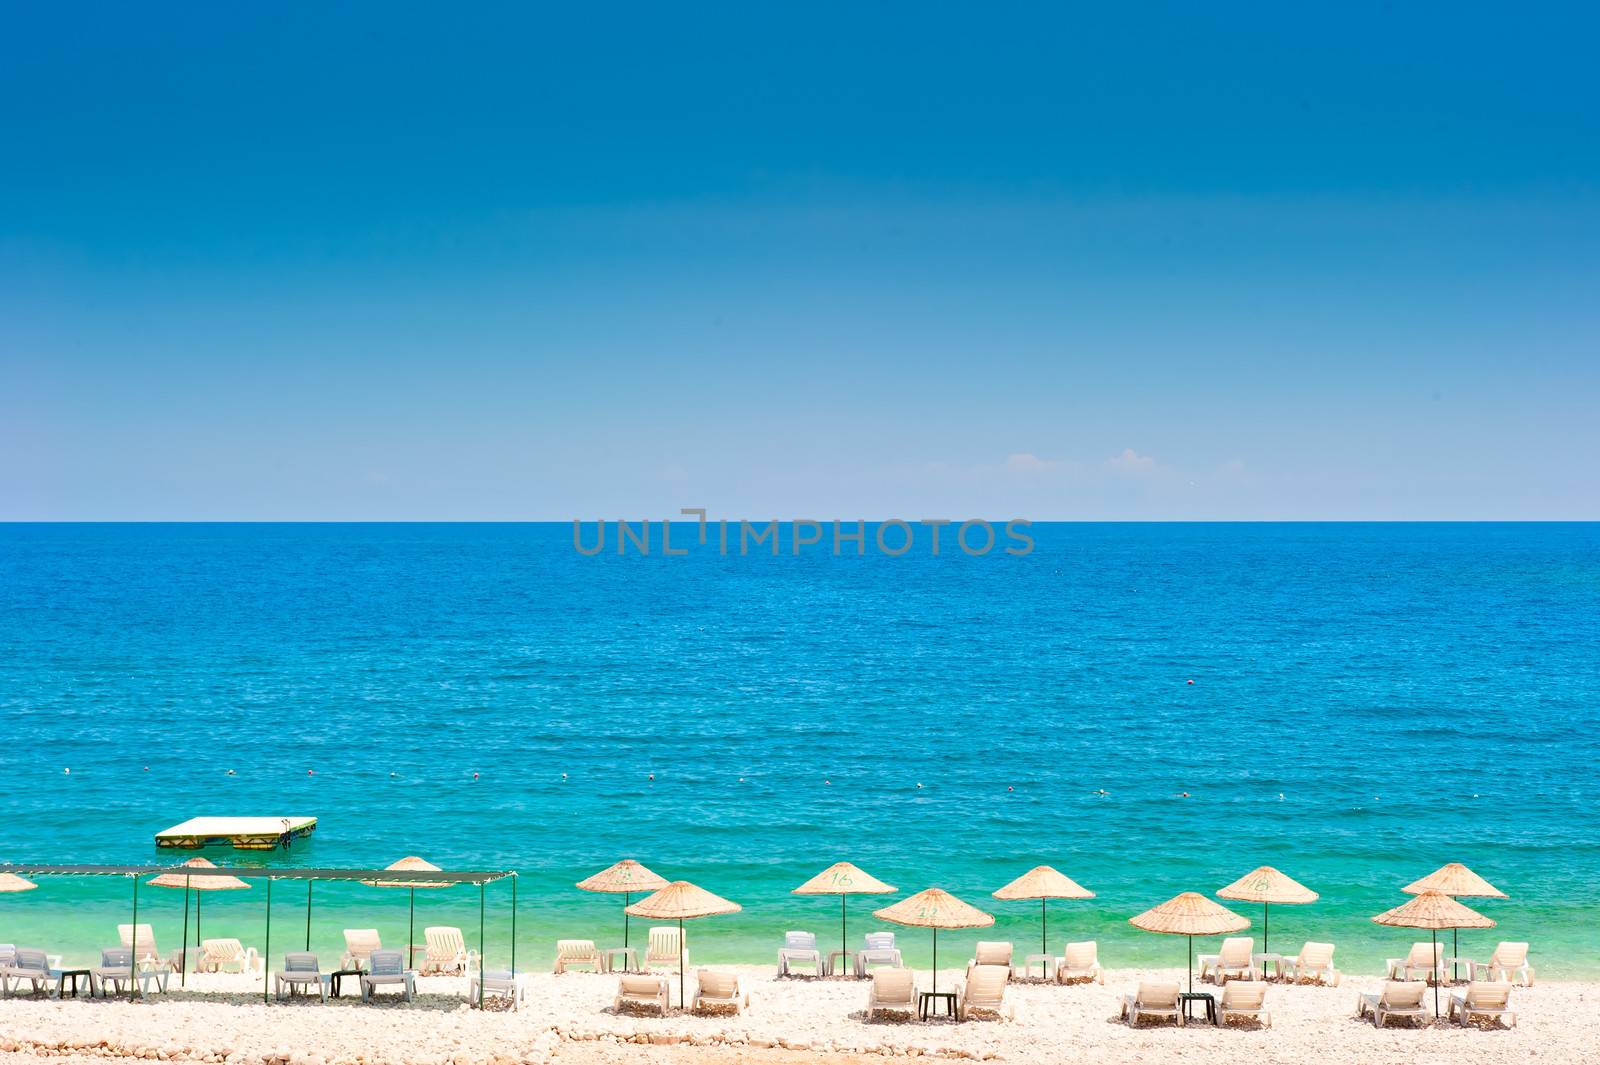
column 133, row 967
column 197, row 939
column 513, row 930
column 266, row 962
column 308, row 913
column 183, row 970
column 480, row 946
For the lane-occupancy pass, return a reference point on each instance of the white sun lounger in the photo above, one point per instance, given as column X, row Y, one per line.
column 359, row 943
column 497, row 983
column 713, row 988
column 219, row 955
column 799, row 948
column 662, row 951
column 1425, row 958
column 300, row 970
column 990, row 953
column 1508, row 960
column 571, row 953
column 1483, row 999
column 1314, row 962
column 1235, row 959
column 1154, row 998
column 643, row 989
column 1399, row 998
column 985, row 991
column 893, row 991
column 32, row 966
column 1080, row 962
column 388, row 969
column 1244, row 998
column 143, row 945
column 879, row 950
column 447, row 952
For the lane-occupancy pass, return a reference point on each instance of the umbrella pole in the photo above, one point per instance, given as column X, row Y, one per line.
column 1044, row 932
column 1435, row 933
column 627, row 897
column 1265, row 927
column 843, row 936
column 480, row 944
column 1455, row 952
column 308, row 913
column 133, row 980
column 1191, row 963
column 183, row 970
column 936, row 961
column 411, row 934
column 681, row 1003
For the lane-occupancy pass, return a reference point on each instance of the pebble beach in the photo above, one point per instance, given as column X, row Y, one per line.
column 569, row 1018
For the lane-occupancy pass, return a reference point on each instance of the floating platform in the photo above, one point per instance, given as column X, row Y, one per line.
column 242, row 833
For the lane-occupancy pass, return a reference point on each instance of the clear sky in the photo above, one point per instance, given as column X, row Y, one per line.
column 334, row 261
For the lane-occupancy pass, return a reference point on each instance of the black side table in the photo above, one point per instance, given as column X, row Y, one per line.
column 1189, row 998
column 928, row 1004
column 333, row 980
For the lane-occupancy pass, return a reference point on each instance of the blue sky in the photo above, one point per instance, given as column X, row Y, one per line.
column 391, row 262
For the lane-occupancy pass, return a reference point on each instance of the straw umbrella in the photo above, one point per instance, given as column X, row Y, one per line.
column 1434, row 910
column 1457, row 881
column 841, row 879
column 1042, row 882
column 206, row 883
column 1266, row 885
column 624, row 878
column 681, row 901
column 1190, row 914
column 934, row 908
column 410, row 864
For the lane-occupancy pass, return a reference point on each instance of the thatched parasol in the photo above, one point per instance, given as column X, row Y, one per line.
column 1434, row 910
column 624, row 878
column 410, row 864
column 841, row 879
column 1190, row 914
column 1457, row 881
column 1042, row 882
column 934, row 908
column 681, row 901
column 1267, row 885
column 10, row 882
column 187, row 883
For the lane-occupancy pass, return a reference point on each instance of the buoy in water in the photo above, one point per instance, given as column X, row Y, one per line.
column 67, row 772
column 474, row 776
column 1191, row 680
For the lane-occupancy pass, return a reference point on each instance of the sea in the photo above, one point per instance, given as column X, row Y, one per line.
column 1149, row 708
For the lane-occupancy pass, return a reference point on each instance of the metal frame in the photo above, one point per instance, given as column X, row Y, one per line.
column 480, row 877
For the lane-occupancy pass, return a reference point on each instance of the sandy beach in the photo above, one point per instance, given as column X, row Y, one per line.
column 569, row 1018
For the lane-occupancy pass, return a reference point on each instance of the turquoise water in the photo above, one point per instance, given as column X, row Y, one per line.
column 1415, row 694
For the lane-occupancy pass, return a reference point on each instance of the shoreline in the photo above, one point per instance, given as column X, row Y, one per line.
column 568, row 1018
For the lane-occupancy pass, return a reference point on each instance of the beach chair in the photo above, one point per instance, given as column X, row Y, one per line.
column 662, row 949
column 359, row 943
column 720, row 990
column 1235, row 959
column 221, row 955
column 115, row 973
column 1244, row 998
column 643, row 991
column 1483, row 999
column 32, row 966
column 879, row 950
column 985, row 990
column 447, row 952
column 576, row 952
column 1314, row 962
column 1080, row 962
column 1425, row 958
column 300, row 970
column 387, row 968
column 1154, row 998
column 1508, row 960
column 990, row 953
column 1398, row 998
column 799, row 948
column 145, row 951
column 8, row 954
column 497, row 983
column 893, row 991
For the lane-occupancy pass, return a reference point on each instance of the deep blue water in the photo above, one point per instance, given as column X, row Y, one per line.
column 1415, row 694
